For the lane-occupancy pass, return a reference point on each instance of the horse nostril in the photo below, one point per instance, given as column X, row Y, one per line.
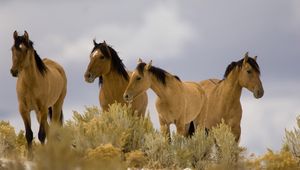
column 87, row 75
column 261, row 93
column 126, row 97
column 14, row 72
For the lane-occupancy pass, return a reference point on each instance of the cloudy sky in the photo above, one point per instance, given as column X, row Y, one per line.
column 194, row 39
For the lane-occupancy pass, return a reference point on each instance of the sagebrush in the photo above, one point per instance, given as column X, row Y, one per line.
column 117, row 139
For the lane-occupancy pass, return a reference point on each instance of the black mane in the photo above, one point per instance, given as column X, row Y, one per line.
column 29, row 44
column 116, row 61
column 159, row 73
column 239, row 63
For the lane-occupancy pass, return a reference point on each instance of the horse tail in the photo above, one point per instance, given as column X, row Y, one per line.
column 191, row 130
column 50, row 113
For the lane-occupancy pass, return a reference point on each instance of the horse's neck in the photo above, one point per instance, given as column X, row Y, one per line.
column 30, row 73
column 230, row 88
column 114, row 84
column 167, row 91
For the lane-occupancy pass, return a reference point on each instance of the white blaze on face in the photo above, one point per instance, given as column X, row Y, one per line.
column 21, row 46
column 134, row 73
column 95, row 53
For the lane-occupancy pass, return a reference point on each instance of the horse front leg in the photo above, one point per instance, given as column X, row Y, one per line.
column 181, row 128
column 43, row 125
column 236, row 130
column 27, row 122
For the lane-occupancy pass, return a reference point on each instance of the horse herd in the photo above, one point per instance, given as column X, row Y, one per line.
column 42, row 87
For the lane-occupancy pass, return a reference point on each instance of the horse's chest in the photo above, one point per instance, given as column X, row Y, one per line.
column 30, row 98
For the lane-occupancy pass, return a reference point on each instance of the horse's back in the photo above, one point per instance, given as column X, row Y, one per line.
column 208, row 85
column 57, row 80
column 193, row 88
column 52, row 65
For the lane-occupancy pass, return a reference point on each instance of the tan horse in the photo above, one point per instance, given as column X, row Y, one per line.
column 41, row 85
column 106, row 64
column 224, row 95
column 177, row 102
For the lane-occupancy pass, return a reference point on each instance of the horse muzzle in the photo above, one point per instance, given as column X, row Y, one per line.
column 259, row 93
column 14, row 73
column 127, row 97
column 89, row 77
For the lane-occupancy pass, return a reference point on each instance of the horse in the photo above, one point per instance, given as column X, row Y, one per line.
column 177, row 102
column 41, row 86
column 113, row 78
column 223, row 96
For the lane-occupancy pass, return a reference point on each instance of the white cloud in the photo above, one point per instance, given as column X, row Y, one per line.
column 264, row 121
column 162, row 33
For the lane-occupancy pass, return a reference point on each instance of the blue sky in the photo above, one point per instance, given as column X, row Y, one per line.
column 195, row 40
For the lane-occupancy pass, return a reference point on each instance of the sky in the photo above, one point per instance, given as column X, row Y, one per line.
column 195, row 40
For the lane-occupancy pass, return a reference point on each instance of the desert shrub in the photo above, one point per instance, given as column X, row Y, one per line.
column 104, row 157
column 118, row 126
column 21, row 144
column 158, row 151
column 227, row 150
column 275, row 161
column 195, row 152
column 7, row 139
column 11, row 145
column 201, row 146
column 57, row 153
column 117, row 139
column 292, row 139
column 136, row 159
column 192, row 152
column 6, row 164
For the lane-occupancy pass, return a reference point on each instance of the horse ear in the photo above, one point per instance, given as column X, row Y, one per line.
column 245, row 58
column 140, row 60
column 26, row 36
column 106, row 46
column 15, row 35
column 255, row 58
column 149, row 65
column 104, row 42
column 94, row 41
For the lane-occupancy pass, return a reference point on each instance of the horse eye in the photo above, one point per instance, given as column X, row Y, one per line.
column 102, row 57
column 138, row 78
column 249, row 71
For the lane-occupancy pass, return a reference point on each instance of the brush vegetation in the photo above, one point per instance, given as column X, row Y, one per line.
column 117, row 139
